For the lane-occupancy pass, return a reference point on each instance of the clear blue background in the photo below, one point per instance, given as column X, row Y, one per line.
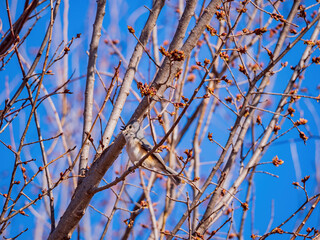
column 269, row 192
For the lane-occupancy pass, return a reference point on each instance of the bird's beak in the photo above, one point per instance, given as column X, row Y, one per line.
column 122, row 128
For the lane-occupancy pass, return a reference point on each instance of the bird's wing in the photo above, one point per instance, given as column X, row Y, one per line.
column 146, row 146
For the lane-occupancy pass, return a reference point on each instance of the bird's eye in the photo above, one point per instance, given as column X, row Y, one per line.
column 130, row 127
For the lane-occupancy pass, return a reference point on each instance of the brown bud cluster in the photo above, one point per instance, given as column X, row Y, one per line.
column 277, row 230
column 316, row 60
column 242, row 10
column 131, row 30
column 238, row 97
column 303, row 136
column 177, row 55
column 294, row 98
column 259, row 120
column 178, row 73
column 302, row 13
column 206, row 62
column 277, row 17
column 296, row 184
column 210, row 137
column 309, row 42
column 260, row 31
column 228, row 99
column 293, row 31
column 246, row 113
column 174, row 55
column 301, row 121
column 212, row 31
column 245, row 206
column 179, row 105
column 242, row 50
column 291, row 111
column 224, row 56
column 146, row 90
column 191, row 77
column 276, row 161
column 66, row 50
column 189, row 153
column 220, row 15
column 129, row 222
column 115, row 41
column 228, row 81
column 253, row 67
column 276, row 129
column 306, row 178
column 144, row 204
column 185, row 99
column 242, row 69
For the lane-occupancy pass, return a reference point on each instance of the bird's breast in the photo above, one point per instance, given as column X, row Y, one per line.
column 135, row 153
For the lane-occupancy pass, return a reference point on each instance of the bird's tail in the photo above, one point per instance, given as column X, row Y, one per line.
column 173, row 175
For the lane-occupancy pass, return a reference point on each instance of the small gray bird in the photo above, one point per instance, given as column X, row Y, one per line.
column 137, row 147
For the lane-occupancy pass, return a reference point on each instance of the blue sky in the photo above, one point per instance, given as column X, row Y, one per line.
column 273, row 196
